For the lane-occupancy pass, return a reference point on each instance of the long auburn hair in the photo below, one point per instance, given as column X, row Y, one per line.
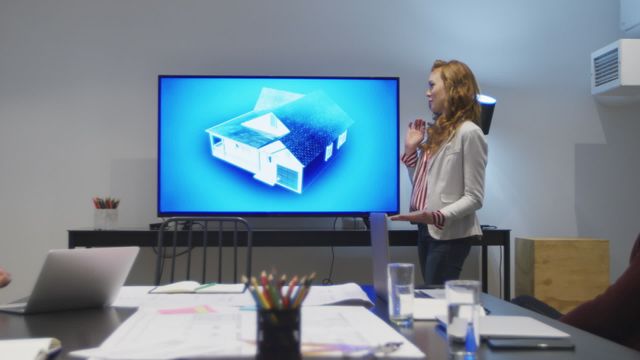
column 461, row 104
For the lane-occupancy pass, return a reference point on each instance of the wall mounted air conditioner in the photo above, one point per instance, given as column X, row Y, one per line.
column 615, row 69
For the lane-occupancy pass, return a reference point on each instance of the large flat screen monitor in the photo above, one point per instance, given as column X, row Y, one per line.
column 240, row 145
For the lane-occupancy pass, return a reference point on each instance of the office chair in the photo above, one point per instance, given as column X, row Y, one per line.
column 179, row 237
column 535, row 305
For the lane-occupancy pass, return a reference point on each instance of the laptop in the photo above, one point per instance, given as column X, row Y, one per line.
column 77, row 279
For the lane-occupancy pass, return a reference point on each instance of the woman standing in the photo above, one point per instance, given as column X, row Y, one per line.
column 447, row 172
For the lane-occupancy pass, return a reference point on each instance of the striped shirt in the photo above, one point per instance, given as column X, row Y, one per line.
column 419, row 192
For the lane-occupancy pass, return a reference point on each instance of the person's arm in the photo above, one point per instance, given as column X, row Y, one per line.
column 474, row 147
column 5, row 278
column 410, row 161
column 614, row 314
column 418, row 216
column 414, row 137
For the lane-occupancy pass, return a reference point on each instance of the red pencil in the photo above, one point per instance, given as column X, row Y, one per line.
column 265, row 289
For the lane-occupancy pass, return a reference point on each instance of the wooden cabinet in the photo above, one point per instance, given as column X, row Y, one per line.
column 562, row 272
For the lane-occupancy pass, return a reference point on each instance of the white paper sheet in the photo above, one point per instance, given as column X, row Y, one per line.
column 429, row 309
column 138, row 296
column 28, row 349
column 431, row 293
column 342, row 294
column 225, row 332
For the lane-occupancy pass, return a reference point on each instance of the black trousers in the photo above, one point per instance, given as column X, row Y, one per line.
column 441, row 260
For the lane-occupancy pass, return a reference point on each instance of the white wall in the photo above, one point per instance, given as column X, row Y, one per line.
column 78, row 107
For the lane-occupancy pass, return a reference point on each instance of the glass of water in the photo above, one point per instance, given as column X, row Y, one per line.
column 463, row 301
column 400, row 288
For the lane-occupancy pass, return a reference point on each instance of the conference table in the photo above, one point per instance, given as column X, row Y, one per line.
column 80, row 329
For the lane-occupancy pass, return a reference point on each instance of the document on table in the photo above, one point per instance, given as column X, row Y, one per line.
column 342, row 294
column 430, row 293
column 434, row 309
column 429, row 309
column 230, row 332
column 138, row 296
column 30, row 348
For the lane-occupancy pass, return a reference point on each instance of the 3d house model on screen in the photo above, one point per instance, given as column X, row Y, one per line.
column 287, row 139
column 277, row 145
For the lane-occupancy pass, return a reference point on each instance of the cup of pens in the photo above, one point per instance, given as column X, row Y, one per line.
column 278, row 305
column 278, row 334
column 105, row 213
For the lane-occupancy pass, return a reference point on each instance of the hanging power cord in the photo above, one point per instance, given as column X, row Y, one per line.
column 328, row 280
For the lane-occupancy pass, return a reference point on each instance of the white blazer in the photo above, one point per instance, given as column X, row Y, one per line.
column 455, row 182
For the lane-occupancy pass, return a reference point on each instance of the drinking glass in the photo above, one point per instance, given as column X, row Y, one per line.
column 463, row 303
column 400, row 288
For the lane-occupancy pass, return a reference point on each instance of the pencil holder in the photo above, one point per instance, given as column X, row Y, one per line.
column 278, row 334
column 105, row 219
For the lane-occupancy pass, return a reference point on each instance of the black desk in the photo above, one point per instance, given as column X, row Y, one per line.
column 296, row 238
column 89, row 328
column 588, row 346
column 76, row 330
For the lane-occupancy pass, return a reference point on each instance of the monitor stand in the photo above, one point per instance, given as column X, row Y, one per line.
column 380, row 252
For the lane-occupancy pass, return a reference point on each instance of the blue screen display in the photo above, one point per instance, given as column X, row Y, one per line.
column 277, row 145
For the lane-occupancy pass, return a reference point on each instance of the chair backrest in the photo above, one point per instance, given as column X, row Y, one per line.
column 179, row 237
column 635, row 250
